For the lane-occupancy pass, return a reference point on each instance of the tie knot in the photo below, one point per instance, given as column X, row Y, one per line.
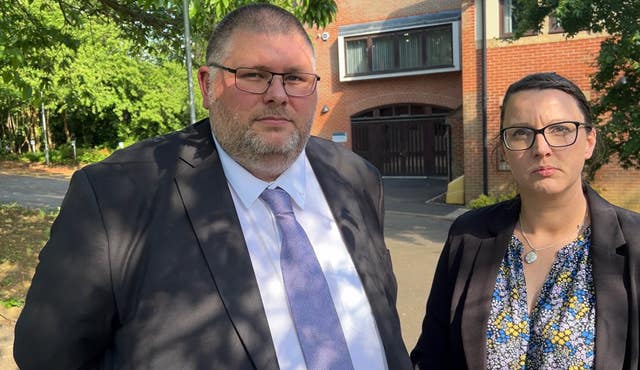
column 278, row 200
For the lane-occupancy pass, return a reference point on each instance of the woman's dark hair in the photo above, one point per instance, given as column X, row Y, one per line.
column 547, row 80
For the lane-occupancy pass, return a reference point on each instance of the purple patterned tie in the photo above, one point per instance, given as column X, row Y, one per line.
column 314, row 314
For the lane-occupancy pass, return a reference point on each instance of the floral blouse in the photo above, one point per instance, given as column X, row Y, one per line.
column 560, row 333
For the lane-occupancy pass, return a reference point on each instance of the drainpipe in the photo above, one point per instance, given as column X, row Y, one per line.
column 485, row 145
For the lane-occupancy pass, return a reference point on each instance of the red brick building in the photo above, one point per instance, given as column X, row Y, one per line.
column 402, row 85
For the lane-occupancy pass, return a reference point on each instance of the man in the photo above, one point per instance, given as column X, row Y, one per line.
column 168, row 254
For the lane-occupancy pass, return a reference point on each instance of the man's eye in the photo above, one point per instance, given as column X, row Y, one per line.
column 293, row 78
column 252, row 75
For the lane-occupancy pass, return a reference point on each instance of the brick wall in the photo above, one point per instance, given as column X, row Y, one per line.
column 459, row 91
column 619, row 186
column 472, row 104
column 345, row 99
column 457, row 140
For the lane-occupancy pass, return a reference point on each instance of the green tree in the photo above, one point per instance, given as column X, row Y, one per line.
column 102, row 91
column 29, row 30
column 106, row 70
column 617, row 81
column 27, row 27
column 115, row 95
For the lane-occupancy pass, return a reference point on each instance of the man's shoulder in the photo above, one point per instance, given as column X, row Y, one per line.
column 154, row 157
column 330, row 159
column 336, row 153
column 160, row 148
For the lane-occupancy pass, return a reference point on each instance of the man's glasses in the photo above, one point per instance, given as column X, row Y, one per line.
column 257, row 81
column 556, row 135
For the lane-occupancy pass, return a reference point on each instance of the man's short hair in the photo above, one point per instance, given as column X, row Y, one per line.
column 259, row 18
column 543, row 81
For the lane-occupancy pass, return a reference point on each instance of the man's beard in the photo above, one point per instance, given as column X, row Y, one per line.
column 251, row 150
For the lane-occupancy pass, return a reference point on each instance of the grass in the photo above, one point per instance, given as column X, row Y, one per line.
column 23, row 233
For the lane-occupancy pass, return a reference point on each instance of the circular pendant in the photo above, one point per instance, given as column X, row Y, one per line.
column 530, row 257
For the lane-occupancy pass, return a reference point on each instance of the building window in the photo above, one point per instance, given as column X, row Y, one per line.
column 407, row 46
column 439, row 49
column 554, row 25
column 357, row 60
column 410, row 49
column 399, row 51
column 508, row 20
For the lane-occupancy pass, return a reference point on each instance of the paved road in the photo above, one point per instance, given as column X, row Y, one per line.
column 414, row 230
column 33, row 192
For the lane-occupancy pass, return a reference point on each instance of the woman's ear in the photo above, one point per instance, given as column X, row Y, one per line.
column 591, row 143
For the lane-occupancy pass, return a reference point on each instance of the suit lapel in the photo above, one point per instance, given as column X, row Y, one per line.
column 479, row 268
column 612, row 304
column 356, row 230
column 208, row 203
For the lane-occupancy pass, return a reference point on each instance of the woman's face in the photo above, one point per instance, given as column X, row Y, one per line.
column 543, row 169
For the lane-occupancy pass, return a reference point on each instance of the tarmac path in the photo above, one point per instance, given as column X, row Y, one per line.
column 414, row 232
column 33, row 192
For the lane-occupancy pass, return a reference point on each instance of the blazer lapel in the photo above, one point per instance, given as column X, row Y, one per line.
column 207, row 200
column 479, row 269
column 361, row 243
column 608, row 263
column 611, row 296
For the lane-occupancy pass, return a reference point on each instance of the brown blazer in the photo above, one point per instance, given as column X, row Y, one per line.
column 147, row 266
column 455, row 325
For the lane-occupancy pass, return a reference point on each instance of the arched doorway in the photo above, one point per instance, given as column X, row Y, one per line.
column 403, row 139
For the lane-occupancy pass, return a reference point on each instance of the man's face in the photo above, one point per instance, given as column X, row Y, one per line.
column 263, row 132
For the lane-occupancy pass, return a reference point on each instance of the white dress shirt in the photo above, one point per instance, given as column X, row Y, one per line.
column 263, row 241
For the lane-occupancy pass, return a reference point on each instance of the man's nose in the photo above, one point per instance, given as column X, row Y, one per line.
column 276, row 92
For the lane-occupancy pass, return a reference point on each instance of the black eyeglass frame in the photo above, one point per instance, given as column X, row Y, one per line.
column 284, row 85
column 537, row 131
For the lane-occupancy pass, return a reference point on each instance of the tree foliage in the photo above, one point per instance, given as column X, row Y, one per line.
column 100, row 91
column 105, row 70
column 617, row 80
column 152, row 24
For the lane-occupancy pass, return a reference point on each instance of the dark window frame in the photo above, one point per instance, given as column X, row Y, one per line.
column 415, row 110
column 397, row 36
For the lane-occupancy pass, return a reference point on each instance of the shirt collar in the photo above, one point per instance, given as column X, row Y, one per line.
column 248, row 187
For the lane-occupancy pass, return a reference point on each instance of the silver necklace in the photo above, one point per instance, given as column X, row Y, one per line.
column 532, row 256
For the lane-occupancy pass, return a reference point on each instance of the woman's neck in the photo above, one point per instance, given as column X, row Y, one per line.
column 554, row 214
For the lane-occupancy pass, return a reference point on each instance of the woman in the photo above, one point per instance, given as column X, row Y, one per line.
column 550, row 279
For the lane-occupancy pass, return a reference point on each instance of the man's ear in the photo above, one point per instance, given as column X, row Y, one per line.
column 205, row 85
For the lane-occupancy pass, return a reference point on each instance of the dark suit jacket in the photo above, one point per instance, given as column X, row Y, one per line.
column 147, row 265
column 455, row 326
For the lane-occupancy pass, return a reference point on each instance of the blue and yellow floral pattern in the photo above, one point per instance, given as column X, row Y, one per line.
column 560, row 332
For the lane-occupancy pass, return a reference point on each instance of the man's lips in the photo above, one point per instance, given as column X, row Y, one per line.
column 273, row 120
column 545, row 171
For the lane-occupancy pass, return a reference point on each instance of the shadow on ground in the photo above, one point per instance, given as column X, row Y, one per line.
column 414, row 212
